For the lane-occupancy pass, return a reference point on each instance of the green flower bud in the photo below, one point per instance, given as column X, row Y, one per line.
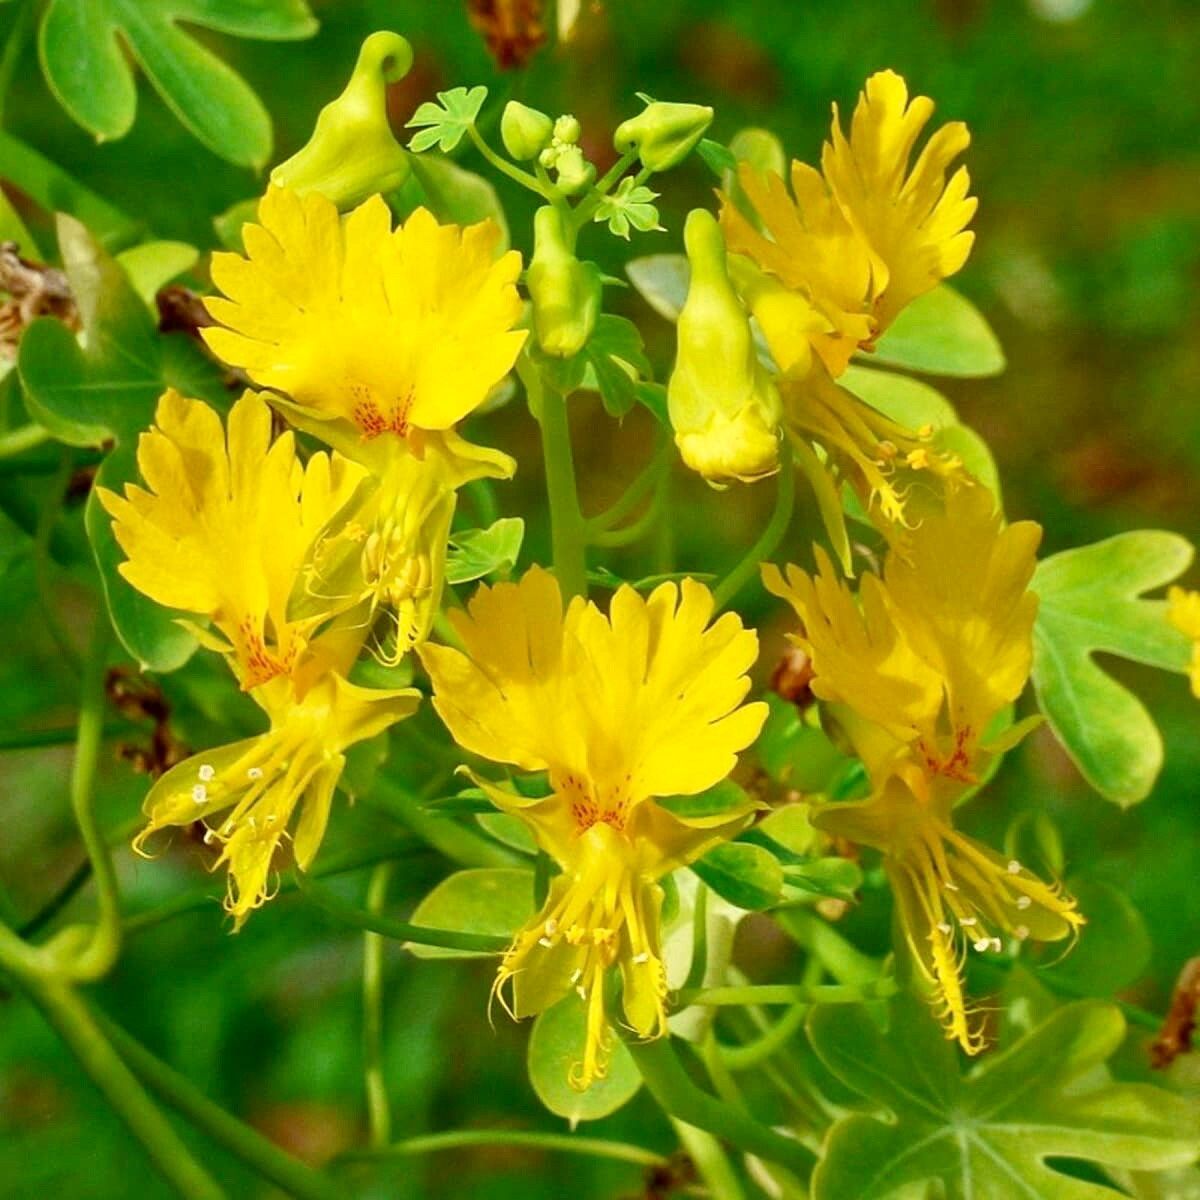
column 724, row 406
column 574, row 172
column 567, row 129
column 352, row 153
column 524, row 131
column 565, row 292
column 663, row 134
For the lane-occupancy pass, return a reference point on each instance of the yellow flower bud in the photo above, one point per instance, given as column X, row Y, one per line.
column 352, row 153
column 567, row 129
column 724, row 406
column 574, row 171
column 524, row 131
column 565, row 292
column 663, row 134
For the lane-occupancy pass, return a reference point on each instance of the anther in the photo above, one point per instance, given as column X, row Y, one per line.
column 577, row 975
column 1024, row 902
column 950, row 887
column 641, row 958
column 965, row 922
column 551, row 927
column 545, row 941
column 1014, row 867
column 996, row 945
column 200, row 793
column 943, row 927
column 982, row 944
column 254, row 773
column 1021, row 932
column 206, row 772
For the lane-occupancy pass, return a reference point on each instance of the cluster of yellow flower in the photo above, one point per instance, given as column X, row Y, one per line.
column 377, row 341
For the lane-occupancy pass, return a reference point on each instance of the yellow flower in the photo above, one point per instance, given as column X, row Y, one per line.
column 247, row 793
column 917, row 677
column 223, row 526
column 860, row 240
column 1184, row 613
column 620, row 710
column 373, row 330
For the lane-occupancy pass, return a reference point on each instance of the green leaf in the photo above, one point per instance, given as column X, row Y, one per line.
column 717, row 158
column 913, row 403
column 941, row 333
column 445, row 124
column 83, row 50
column 630, row 206
column 475, row 553
column 618, row 359
column 725, row 796
column 13, row 229
column 106, row 391
column 510, row 830
column 556, row 1046
column 662, row 281
column 152, row 265
column 796, row 753
column 746, row 875
column 989, row 1135
column 1090, row 603
column 495, row 900
column 452, row 193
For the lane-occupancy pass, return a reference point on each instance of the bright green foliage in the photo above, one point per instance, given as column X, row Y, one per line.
column 475, row 553
column 988, row 1135
column 496, row 900
column 618, row 360
column 941, row 333
column 1091, row 602
column 555, row 1045
column 85, row 65
column 445, row 123
column 746, row 875
column 631, row 206
column 662, row 281
column 106, row 390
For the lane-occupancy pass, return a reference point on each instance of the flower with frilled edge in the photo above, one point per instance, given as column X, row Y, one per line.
column 224, row 524
column 917, row 673
column 645, row 703
column 858, row 241
column 247, row 793
column 377, row 331
column 1183, row 611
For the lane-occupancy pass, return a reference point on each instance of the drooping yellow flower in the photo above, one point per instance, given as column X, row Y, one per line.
column 916, row 672
column 247, row 793
column 225, row 523
column 642, row 704
column 859, row 241
column 1184, row 614
column 370, row 330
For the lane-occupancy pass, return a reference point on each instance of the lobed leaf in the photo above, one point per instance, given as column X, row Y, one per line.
column 1091, row 603
column 476, row 553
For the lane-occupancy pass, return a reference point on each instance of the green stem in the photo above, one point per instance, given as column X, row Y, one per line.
column 506, row 168
column 611, row 538
column 348, row 914
column 70, row 1018
column 457, row 842
column 684, row 1101
column 379, row 1114
column 711, row 1162
column 24, row 437
column 785, row 498
column 633, row 495
column 104, row 944
column 14, row 45
column 699, row 967
column 786, row 993
column 567, row 527
column 753, row 1054
column 35, row 739
column 600, row 189
column 457, row 1139
column 261, row 1155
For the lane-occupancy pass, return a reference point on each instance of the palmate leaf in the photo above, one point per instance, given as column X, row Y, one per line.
column 83, row 43
column 1090, row 602
column 475, row 553
column 989, row 1135
column 445, row 123
column 105, row 392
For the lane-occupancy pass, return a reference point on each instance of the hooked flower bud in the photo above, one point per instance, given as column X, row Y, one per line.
column 724, row 407
column 565, row 292
column 352, row 153
column 663, row 134
column 524, row 131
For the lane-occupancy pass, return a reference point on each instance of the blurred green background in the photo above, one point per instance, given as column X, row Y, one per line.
column 1086, row 157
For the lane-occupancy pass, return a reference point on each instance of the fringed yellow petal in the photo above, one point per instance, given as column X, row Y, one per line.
column 391, row 332
column 1183, row 611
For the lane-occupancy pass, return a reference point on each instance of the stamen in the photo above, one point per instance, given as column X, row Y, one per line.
column 577, row 975
column 545, row 941
column 967, row 921
column 996, row 945
column 551, row 927
column 1021, row 932
column 1014, row 867
column 982, row 944
column 206, row 772
column 1024, row 902
column 950, row 887
column 254, row 773
column 200, row 794
column 944, row 927
column 644, row 957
